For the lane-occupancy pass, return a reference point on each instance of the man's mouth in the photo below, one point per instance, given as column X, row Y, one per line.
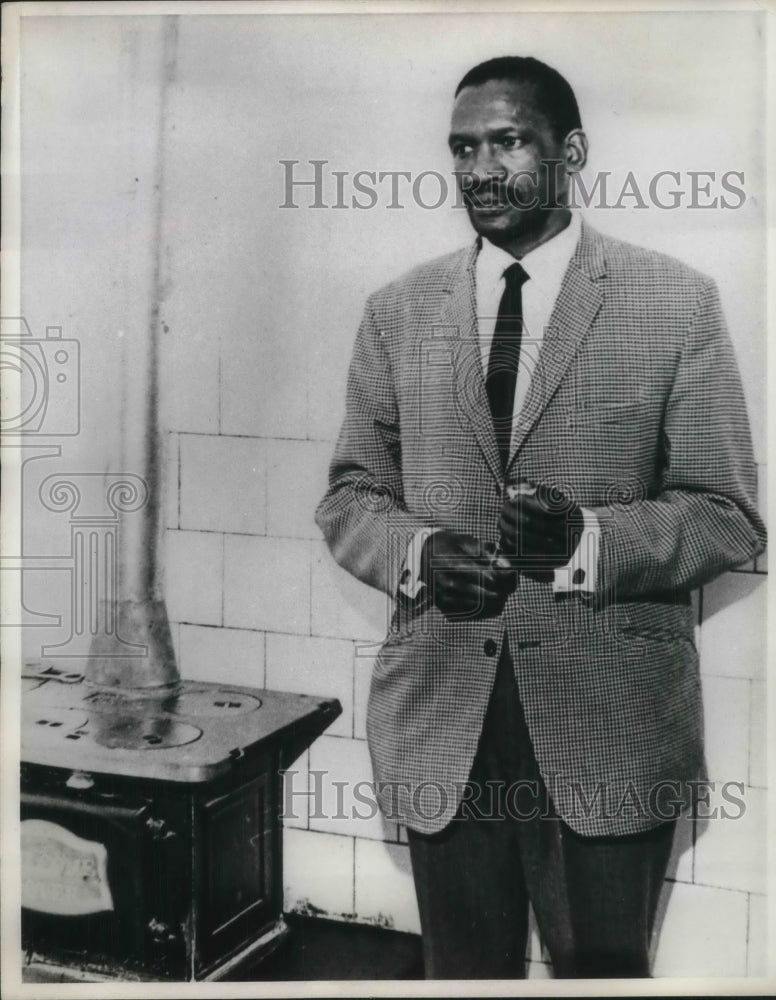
column 488, row 208
column 489, row 204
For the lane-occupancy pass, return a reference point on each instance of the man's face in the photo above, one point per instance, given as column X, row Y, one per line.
column 501, row 144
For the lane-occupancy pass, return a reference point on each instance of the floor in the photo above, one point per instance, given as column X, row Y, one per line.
column 313, row 949
column 329, row 949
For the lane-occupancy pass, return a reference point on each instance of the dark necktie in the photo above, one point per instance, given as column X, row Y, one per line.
column 504, row 358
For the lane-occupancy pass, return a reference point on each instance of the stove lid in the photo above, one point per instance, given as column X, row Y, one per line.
column 193, row 735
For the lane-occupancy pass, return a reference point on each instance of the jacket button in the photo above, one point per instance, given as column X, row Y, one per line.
column 490, row 647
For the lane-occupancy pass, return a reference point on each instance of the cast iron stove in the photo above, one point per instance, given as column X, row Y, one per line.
column 151, row 829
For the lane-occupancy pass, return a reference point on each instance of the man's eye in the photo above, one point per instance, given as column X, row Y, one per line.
column 509, row 141
column 461, row 150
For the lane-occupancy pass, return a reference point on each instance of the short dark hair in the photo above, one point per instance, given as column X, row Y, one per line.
column 553, row 93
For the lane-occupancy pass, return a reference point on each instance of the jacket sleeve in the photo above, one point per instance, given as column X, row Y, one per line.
column 363, row 515
column 704, row 519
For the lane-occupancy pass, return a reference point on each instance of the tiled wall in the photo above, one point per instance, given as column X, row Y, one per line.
column 257, row 346
column 257, row 309
column 257, row 599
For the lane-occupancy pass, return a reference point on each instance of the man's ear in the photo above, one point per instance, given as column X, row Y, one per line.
column 575, row 148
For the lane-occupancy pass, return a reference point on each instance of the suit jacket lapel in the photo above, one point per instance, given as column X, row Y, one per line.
column 458, row 323
column 579, row 300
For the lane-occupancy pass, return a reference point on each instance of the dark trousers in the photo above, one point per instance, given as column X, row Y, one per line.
column 594, row 898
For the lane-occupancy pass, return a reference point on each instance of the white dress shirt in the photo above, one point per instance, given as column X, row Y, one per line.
column 545, row 266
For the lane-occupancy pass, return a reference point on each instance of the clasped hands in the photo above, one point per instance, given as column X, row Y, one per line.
column 539, row 530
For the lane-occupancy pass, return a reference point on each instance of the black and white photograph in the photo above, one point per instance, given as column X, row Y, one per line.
column 384, row 524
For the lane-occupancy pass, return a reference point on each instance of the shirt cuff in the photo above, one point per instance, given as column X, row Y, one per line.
column 410, row 583
column 581, row 571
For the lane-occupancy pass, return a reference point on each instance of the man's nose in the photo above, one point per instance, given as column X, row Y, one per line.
column 487, row 165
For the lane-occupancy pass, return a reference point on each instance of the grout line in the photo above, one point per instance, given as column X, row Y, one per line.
column 310, row 584
column 223, row 578
column 253, row 437
column 251, row 534
column 309, row 790
column 180, row 478
column 266, row 489
column 338, row 736
column 353, row 690
column 750, row 719
column 248, row 534
column 353, row 906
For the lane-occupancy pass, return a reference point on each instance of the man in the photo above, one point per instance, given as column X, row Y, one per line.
column 545, row 450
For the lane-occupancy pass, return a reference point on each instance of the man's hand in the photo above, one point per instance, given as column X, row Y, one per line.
column 464, row 580
column 540, row 531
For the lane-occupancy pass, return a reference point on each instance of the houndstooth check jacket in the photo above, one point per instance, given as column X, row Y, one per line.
column 636, row 410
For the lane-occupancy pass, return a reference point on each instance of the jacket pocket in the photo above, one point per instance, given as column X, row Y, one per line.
column 656, row 619
column 611, row 412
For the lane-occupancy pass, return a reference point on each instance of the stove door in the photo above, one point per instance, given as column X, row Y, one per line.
column 84, row 878
column 239, row 867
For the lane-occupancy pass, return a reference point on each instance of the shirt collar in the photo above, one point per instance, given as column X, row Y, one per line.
column 546, row 264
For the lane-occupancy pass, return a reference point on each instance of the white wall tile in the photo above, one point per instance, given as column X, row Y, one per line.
column 730, row 853
column 222, row 655
column 43, row 592
column 733, row 628
column 326, row 388
column 297, row 478
column 223, row 484
column 695, row 599
column 345, row 801
column 385, row 891
column 761, row 563
column 267, row 584
column 757, row 950
column 703, row 932
column 193, row 576
column 317, row 873
column 175, row 632
column 311, row 665
column 171, row 483
column 535, row 951
column 758, row 745
column 295, row 805
column 680, row 865
column 538, row 970
column 264, row 385
column 726, row 724
column 192, row 388
column 762, row 494
column 362, row 679
column 342, row 606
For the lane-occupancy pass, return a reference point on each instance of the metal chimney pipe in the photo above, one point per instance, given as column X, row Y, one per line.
column 137, row 654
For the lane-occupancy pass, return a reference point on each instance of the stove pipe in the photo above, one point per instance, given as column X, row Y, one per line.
column 132, row 650
column 136, row 652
